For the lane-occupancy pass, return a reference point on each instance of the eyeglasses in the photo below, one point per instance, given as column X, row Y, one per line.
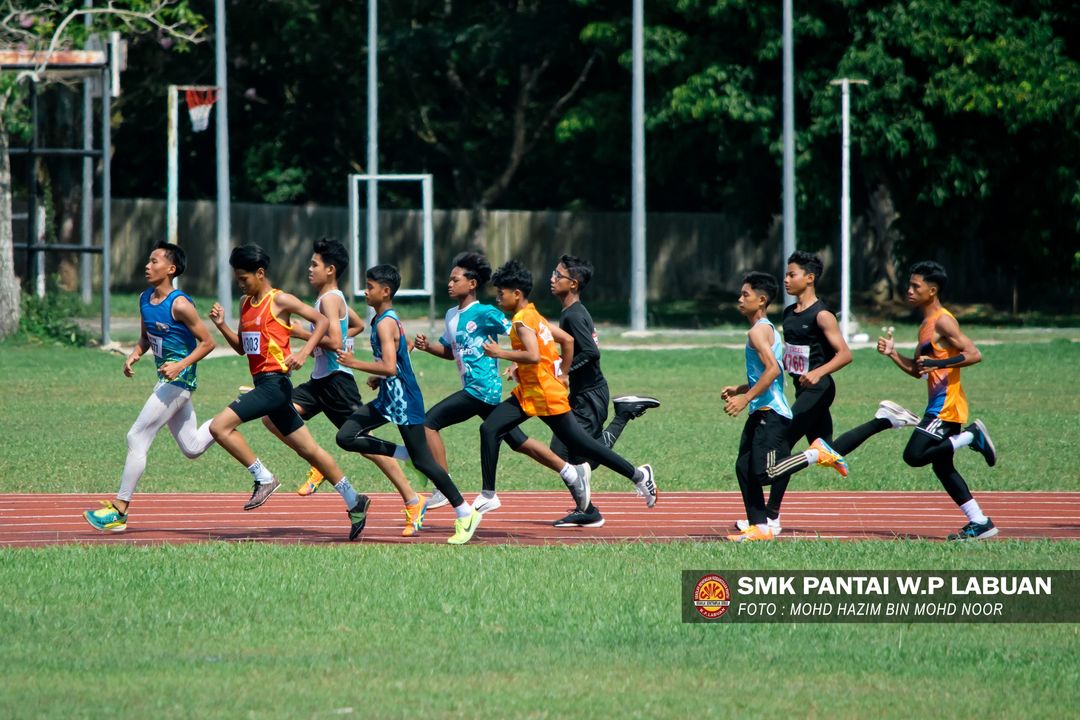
column 556, row 275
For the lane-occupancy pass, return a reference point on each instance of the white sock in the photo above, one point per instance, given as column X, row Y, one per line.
column 414, row 501
column 345, row 490
column 973, row 511
column 463, row 510
column 775, row 520
column 400, row 453
column 568, row 473
column 763, row 527
column 961, row 440
column 811, row 456
column 259, row 472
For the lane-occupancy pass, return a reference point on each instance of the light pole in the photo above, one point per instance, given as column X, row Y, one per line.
column 637, row 172
column 789, row 137
column 845, row 202
column 221, row 137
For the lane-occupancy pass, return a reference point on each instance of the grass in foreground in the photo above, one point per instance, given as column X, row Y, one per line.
column 261, row 631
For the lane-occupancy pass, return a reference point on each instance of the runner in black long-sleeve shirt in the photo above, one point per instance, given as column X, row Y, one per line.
column 589, row 394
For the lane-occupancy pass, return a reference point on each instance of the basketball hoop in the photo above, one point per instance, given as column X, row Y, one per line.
column 199, row 103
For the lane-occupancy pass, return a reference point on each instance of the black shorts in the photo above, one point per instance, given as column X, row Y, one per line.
column 336, row 395
column 935, row 427
column 590, row 411
column 764, row 441
column 462, row 406
column 272, row 398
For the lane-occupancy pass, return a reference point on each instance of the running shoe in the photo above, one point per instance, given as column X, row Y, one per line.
column 261, row 493
column 976, row 531
column 590, row 518
column 827, row 457
column 774, row 526
column 311, row 484
column 896, row 414
column 107, row 518
column 436, row 500
column 414, row 517
column 485, row 505
column 752, row 534
column 634, row 405
column 464, row 528
column 646, row 487
column 982, row 443
column 358, row 516
column 579, row 486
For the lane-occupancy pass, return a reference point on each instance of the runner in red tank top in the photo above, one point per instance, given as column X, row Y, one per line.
column 264, row 338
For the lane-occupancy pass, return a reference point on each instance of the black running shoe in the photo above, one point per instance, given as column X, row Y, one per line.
column 634, row 405
column 976, row 531
column 590, row 518
column 358, row 516
column 982, row 443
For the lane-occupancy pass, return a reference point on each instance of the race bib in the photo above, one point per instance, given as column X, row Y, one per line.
column 797, row 359
column 252, row 342
column 156, row 345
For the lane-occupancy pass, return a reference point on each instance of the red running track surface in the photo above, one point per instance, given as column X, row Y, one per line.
column 525, row 518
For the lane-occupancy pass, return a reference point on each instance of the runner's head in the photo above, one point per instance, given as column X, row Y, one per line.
column 927, row 282
column 249, row 264
column 803, row 270
column 757, row 291
column 469, row 272
column 571, row 275
column 513, row 283
column 166, row 258
column 329, row 262
column 383, row 282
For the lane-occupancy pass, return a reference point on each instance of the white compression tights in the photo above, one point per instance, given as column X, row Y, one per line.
column 167, row 404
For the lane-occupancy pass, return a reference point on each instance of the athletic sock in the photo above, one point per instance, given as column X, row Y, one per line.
column 259, row 472
column 463, row 510
column 414, row 501
column 811, row 456
column 568, row 473
column 961, row 440
column 638, row 476
column 345, row 490
column 400, row 453
column 763, row 527
column 973, row 511
column 487, row 494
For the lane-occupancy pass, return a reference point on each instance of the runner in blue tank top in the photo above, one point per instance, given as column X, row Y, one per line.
column 399, row 401
column 765, row 433
column 174, row 333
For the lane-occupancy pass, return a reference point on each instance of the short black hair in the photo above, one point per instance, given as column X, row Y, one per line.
column 580, row 270
column 809, row 262
column 333, row 253
column 475, row 265
column 175, row 254
column 249, row 258
column 387, row 275
column 763, row 283
column 931, row 271
column 513, row 276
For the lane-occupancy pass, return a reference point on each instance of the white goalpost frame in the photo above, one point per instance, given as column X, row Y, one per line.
column 372, row 244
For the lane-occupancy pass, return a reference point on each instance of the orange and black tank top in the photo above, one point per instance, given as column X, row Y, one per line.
column 946, row 397
column 264, row 337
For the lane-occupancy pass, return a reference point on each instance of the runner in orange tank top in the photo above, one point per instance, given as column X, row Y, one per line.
column 264, row 338
column 542, row 392
column 943, row 349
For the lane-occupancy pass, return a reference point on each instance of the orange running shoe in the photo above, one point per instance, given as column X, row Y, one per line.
column 414, row 517
column 752, row 534
column 827, row 457
column 311, row 484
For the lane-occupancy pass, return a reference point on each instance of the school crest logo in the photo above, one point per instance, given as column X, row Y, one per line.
column 712, row 598
column 470, row 327
column 161, row 327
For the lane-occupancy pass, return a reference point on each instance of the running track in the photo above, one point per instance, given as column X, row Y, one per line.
column 525, row 518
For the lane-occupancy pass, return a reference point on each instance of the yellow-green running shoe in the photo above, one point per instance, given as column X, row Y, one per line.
column 464, row 529
column 107, row 518
column 311, row 483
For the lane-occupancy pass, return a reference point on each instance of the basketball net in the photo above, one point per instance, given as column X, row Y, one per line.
column 199, row 104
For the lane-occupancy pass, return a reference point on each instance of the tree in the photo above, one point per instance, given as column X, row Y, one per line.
column 49, row 27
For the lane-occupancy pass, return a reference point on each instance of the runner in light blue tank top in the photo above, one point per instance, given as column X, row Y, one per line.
column 326, row 362
column 465, row 334
column 170, row 340
column 772, row 398
column 399, row 399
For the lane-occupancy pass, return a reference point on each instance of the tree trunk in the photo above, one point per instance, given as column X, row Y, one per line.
column 9, row 282
column 882, row 214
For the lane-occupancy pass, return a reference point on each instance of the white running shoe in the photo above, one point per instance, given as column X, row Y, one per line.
column 774, row 525
column 899, row 416
column 436, row 500
column 646, row 487
column 484, row 505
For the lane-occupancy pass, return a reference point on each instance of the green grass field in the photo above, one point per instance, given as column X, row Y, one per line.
column 258, row 631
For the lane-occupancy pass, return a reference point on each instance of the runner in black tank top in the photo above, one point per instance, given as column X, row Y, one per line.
column 814, row 349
